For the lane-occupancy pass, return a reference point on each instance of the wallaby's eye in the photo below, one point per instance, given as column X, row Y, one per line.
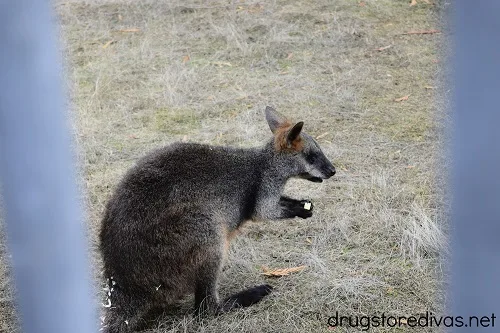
column 311, row 158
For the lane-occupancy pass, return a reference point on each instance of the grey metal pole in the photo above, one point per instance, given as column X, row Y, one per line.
column 476, row 169
column 44, row 220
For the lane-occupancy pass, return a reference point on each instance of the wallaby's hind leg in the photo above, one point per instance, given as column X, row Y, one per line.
column 245, row 298
column 207, row 297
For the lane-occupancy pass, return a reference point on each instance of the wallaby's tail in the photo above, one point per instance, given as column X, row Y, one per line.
column 245, row 298
column 125, row 313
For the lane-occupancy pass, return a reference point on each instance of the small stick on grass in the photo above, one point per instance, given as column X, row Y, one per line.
column 422, row 32
column 383, row 48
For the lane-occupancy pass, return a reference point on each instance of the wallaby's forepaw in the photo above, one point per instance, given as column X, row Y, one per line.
column 305, row 209
column 296, row 208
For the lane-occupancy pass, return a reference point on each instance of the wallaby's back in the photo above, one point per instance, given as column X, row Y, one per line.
column 185, row 174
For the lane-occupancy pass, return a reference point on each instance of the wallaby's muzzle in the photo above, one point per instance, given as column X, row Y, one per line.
column 325, row 175
column 325, row 171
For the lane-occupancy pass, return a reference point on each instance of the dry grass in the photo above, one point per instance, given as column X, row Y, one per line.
column 203, row 71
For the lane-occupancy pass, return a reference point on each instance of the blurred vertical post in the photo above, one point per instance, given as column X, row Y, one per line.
column 44, row 220
column 475, row 286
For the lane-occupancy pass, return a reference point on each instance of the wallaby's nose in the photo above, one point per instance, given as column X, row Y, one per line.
column 331, row 172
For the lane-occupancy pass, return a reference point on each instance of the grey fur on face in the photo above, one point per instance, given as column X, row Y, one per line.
column 172, row 216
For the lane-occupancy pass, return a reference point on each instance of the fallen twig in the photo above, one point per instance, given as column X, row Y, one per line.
column 282, row 271
column 130, row 30
column 322, row 135
column 404, row 98
column 422, row 32
column 383, row 48
column 108, row 44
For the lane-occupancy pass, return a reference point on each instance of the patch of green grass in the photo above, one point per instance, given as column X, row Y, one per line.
column 175, row 121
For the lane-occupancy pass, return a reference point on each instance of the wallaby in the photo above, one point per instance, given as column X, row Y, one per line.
column 167, row 227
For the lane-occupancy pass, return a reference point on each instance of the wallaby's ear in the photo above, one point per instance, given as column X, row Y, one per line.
column 294, row 133
column 274, row 119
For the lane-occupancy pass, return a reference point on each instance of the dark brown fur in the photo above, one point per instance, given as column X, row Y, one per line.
column 169, row 223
